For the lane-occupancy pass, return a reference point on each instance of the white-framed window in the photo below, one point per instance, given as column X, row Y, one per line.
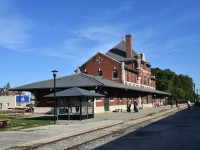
column 111, row 98
column 119, row 100
column 99, row 73
column 145, row 81
column 114, row 74
column 135, row 78
column 98, row 99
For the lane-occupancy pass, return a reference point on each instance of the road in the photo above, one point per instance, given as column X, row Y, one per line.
column 178, row 132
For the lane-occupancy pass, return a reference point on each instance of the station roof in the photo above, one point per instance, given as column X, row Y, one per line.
column 82, row 80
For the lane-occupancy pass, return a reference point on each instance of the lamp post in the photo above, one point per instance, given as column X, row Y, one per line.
column 55, row 103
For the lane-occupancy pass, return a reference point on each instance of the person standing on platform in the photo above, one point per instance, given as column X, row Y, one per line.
column 135, row 106
column 189, row 104
column 129, row 107
column 178, row 104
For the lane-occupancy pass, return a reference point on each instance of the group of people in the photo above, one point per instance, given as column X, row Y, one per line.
column 178, row 104
column 135, row 107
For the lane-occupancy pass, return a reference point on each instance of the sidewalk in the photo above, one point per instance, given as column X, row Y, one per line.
column 65, row 128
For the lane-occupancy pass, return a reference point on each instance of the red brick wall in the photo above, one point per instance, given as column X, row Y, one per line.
column 106, row 65
column 128, row 46
column 43, row 101
column 100, row 102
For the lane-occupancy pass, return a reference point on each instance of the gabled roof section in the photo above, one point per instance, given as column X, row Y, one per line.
column 118, row 52
column 102, row 55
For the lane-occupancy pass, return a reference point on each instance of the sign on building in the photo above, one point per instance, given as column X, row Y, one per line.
column 22, row 100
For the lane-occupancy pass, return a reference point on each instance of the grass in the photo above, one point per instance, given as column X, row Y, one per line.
column 163, row 110
column 4, row 112
column 151, row 114
column 23, row 123
column 17, row 148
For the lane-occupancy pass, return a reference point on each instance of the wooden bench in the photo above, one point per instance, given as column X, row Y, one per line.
column 4, row 123
column 17, row 112
column 117, row 110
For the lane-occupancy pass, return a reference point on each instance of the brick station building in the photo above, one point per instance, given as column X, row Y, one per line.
column 121, row 74
column 123, row 65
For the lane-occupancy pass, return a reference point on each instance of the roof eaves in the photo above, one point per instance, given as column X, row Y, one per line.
column 131, row 69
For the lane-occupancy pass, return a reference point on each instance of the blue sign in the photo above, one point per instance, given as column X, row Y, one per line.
column 22, row 99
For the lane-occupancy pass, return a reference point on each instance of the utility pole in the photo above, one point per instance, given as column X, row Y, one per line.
column 194, row 92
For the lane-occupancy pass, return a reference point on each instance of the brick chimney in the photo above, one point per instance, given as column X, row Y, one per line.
column 129, row 46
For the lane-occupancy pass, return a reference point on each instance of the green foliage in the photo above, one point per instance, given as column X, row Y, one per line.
column 180, row 86
column 22, row 123
column 7, row 87
column 4, row 112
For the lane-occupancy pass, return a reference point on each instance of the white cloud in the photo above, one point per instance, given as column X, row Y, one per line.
column 15, row 31
column 123, row 7
column 14, row 28
column 100, row 38
column 99, row 33
column 66, row 49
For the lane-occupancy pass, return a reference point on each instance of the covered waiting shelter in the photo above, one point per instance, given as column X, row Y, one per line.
column 75, row 103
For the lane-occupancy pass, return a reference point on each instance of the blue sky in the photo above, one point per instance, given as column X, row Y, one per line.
column 38, row 36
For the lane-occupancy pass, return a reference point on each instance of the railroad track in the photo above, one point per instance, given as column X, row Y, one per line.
column 100, row 136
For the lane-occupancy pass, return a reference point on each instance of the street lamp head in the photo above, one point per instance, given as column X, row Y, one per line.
column 54, row 73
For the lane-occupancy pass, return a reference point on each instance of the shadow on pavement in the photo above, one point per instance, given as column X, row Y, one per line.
column 179, row 131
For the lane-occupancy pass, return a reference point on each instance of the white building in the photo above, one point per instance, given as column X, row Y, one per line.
column 13, row 101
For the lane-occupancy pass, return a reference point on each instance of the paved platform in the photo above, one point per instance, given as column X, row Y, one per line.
column 65, row 128
column 176, row 132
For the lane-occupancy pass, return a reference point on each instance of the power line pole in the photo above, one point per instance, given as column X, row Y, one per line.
column 194, row 92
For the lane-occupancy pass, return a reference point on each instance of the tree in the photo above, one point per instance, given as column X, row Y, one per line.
column 7, row 87
column 180, row 86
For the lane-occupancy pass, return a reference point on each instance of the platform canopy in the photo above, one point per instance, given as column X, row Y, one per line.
column 75, row 92
column 75, row 98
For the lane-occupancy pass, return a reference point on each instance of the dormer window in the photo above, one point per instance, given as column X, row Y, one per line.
column 99, row 73
column 114, row 74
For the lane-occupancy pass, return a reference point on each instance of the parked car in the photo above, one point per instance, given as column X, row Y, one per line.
column 29, row 107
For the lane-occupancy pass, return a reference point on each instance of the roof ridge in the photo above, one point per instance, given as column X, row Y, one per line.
column 91, row 77
column 122, row 42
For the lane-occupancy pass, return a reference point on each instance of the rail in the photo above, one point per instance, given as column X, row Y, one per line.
column 96, row 135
